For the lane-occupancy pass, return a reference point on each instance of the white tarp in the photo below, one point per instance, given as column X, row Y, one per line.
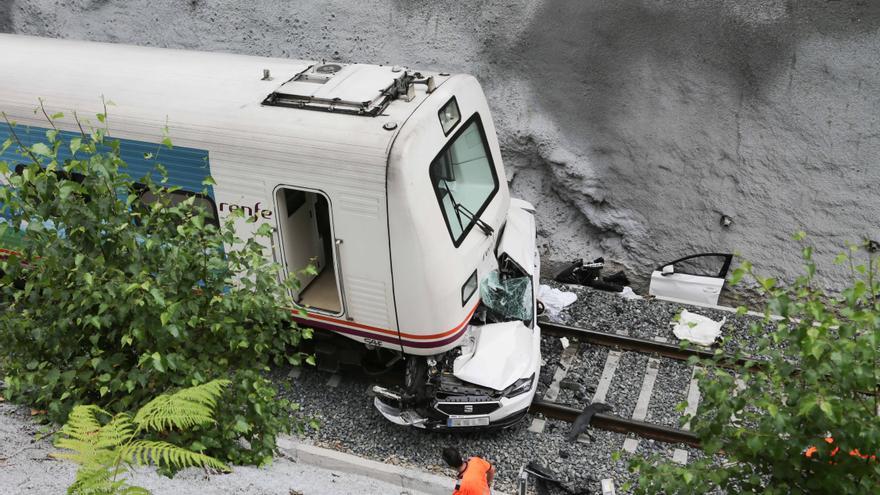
column 697, row 328
column 503, row 355
column 554, row 300
column 627, row 293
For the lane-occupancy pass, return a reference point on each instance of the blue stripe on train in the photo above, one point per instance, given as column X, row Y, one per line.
column 187, row 167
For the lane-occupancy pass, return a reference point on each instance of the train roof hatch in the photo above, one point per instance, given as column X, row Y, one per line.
column 355, row 89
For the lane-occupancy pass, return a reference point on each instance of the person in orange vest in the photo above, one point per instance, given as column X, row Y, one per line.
column 474, row 475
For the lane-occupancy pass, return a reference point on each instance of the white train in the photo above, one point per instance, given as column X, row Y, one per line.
column 390, row 180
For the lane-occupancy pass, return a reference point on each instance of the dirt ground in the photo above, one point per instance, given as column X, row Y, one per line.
column 26, row 467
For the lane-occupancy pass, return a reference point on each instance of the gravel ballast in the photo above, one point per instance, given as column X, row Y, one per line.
column 626, row 384
column 583, row 376
column 671, row 387
column 650, row 318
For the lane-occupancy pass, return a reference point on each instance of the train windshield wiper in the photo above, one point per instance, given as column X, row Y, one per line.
column 454, row 203
column 460, row 208
column 485, row 227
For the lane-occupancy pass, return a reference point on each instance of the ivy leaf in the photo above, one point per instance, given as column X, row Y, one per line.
column 66, row 188
column 41, row 149
column 157, row 362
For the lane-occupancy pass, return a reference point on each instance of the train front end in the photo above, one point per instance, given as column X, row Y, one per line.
column 465, row 270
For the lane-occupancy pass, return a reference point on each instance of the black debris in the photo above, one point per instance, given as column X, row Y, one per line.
column 583, row 421
column 544, row 480
column 589, row 274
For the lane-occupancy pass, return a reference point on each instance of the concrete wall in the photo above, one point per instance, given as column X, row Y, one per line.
column 632, row 124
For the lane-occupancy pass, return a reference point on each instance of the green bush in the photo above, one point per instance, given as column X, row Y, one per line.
column 819, row 378
column 121, row 299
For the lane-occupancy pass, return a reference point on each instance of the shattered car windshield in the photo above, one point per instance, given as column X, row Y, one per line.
column 464, row 179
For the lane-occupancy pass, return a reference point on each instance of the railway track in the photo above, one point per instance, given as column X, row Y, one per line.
column 636, row 344
column 617, row 424
column 548, row 407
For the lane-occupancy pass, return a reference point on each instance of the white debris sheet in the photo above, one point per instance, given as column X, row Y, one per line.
column 697, row 328
column 501, row 356
column 628, row 294
column 555, row 301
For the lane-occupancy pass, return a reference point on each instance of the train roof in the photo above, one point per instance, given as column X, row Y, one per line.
column 355, row 106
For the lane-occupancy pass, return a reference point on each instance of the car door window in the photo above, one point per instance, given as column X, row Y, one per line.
column 704, row 265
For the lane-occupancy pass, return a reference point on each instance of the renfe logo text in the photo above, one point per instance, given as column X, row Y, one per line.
column 254, row 211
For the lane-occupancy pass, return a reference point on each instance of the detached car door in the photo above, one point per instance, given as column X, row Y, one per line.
column 698, row 278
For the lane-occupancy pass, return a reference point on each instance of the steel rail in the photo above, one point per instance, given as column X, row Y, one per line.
column 638, row 344
column 616, row 423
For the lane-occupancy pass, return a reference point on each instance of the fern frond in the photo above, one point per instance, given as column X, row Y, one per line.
column 119, row 431
column 135, row 490
column 145, row 452
column 91, row 444
column 82, row 423
column 99, row 481
column 183, row 409
column 105, row 452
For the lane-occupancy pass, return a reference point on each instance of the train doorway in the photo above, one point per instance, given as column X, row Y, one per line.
column 306, row 235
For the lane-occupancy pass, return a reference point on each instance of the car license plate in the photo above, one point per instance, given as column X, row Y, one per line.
column 454, row 422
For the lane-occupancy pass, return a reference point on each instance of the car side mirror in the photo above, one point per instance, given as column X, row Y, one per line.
column 667, row 270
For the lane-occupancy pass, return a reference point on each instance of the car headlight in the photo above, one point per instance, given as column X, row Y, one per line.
column 519, row 387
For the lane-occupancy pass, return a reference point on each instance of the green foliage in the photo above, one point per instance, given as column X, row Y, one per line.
column 820, row 378
column 113, row 299
column 105, row 452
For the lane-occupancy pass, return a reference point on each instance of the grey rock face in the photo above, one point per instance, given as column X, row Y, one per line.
column 5, row 17
column 634, row 125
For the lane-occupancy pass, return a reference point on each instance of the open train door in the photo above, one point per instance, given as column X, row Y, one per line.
column 306, row 234
column 698, row 278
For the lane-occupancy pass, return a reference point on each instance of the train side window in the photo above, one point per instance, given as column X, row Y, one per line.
column 464, row 179
column 469, row 287
column 60, row 174
column 179, row 196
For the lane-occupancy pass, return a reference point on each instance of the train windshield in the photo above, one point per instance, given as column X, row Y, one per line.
column 465, row 180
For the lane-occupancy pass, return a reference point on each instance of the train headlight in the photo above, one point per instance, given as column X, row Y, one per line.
column 519, row 387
